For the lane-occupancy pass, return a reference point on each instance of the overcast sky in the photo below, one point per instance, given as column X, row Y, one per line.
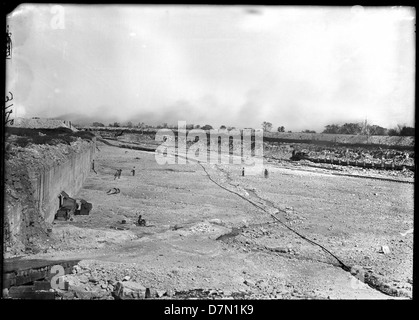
column 298, row 67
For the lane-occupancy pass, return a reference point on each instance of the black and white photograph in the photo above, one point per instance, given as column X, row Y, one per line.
column 221, row 153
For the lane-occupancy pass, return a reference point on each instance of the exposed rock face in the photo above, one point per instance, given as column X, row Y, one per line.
column 344, row 138
column 127, row 290
column 34, row 177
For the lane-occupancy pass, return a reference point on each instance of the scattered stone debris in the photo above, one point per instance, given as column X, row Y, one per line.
column 358, row 272
column 216, row 221
column 407, row 232
column 30, row 292
column 160, row 293
column 119, row 227
column 202, row 227
column 208, row 294
column 113, row 191
column 385, row 249
column 277, row 249
column 249, row 283
column 170, row 293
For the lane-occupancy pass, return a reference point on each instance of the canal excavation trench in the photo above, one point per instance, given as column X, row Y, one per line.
column 239, row 237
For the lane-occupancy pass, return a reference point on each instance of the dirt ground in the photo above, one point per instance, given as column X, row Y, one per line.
column 201, row 240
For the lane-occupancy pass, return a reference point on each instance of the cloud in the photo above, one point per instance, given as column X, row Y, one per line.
column 240, row 66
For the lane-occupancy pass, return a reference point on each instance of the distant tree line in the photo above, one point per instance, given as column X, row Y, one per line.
column 348, row 128
column 402, row 131
column 367, row 129
column 267, row 126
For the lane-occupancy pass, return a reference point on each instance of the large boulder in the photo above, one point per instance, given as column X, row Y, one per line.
column 130, row 290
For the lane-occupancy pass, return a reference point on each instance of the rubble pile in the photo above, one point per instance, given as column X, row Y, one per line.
column 398, row 157
column 376, row 155
column 93, row 281
column 38, row 156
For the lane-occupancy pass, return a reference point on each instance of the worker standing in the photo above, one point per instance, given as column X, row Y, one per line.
column 93, row 166
column 133, row 171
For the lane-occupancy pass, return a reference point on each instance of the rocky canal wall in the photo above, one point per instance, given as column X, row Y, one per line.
column 34, row 177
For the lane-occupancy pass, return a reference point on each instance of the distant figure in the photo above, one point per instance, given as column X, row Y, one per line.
column 141, row 222
column 93, row 166
column 78, row 203
column 243, row 172
column 116, row 174
column 133, row 171
column 119, row 173
column 266, row 173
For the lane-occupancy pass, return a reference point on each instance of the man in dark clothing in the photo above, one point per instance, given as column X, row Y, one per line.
column 119, row 173
column 133, row 171
column 141, row 222
column 266, row 173
column 93, row 166
column 243, row 172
